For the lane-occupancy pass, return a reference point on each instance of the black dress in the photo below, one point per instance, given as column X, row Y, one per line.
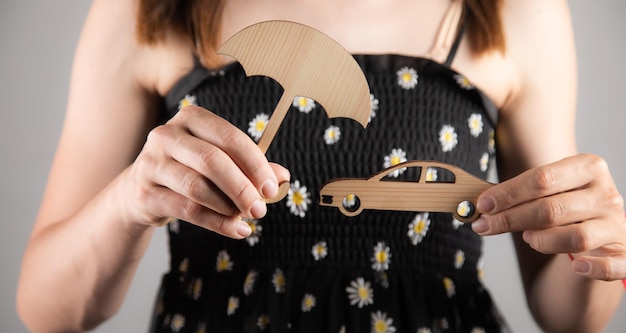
column 308, row 268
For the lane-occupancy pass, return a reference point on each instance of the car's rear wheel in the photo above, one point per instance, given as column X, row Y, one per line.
column 466, row 210
column 351, row 205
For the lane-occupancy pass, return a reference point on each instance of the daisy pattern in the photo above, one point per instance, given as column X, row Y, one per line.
column 407, row 77
column 319, row 250
column 424, row 330
column 263, row 322
column 196, row 289
column 459, row 259
column 447, row 138
column 456, row 223
column 233, row 304
column 223, row 262
column 492, row 142
column 186, row 101
column 418, row 228
column 382, row 279
column 360, row 293
column 304, row 104
column 256, row 126
column 381, row 257
column 278, row 279
column 484, row 162
column 475, row 124
column 308, row 302
column 463, row 82
column 342, row 329
column 396, row 157
column 373, row 109
column 478, row 330
column 184, row 265
column 248, row 282
column 480, row 272
column 382, row 324
column 332, row 135
column 349, row 200
column 256, row 228
column 431, row 174
column 449, row 285
column 298, row 199
column 177, row 323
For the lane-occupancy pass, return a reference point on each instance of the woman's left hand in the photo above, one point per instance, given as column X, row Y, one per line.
column 570, row 206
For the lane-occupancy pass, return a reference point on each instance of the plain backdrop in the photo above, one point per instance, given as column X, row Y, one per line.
column 37, row 40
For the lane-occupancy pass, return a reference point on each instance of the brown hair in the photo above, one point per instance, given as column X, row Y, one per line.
column 200, row 20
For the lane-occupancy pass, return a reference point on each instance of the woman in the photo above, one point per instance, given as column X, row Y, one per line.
column 117, row 174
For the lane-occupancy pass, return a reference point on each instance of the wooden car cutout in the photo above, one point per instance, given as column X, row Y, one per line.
column 456, row 193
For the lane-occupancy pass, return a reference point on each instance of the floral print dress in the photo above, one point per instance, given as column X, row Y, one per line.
column 308, row 268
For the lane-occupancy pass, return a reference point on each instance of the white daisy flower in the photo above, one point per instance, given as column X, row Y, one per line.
column 186, row 101
column 223, row 262
column 396, row 157
column 424, row 330
column 463, row 82
column 298, row 199
column 278, row 279
column 332, row 135
column 381, row 257
column 382, row 324
column 479, row 268
column 308, row 302
column 177, row 323
column 342, row 329
column 304, row 104
column 407, row 77
column 484, row 162
column 443, row 324
column 459, row 259
column 184, row 265
column 478, row 330
column 360, row 293
column 373, row 109
column 349, row 200
column 431, row 174
column 475, row 124
column 447, row 138
column 449, row 285
column 382, row 279
column 248, row 283
column 196, row 289
column 456, row 223
column 233, row 304
column 256, row 126
column 319, row 250
column 418, row 228
column 256, row 228
column 263, row 322
column 492, row 142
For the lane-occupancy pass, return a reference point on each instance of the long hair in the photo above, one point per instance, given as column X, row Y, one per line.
column 199, row 22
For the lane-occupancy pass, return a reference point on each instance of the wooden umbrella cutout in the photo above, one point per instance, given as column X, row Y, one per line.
column 305, row 62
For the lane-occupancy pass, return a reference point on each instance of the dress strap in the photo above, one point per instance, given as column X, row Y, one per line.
column 449, row 35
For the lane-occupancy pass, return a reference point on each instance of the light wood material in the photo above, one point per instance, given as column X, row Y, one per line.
column 305, row 62
column 458, row 196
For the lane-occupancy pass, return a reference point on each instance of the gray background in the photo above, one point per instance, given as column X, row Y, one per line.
column 37, row 41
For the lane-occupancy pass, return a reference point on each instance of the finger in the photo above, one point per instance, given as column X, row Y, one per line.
column 166, row 203
column 574, row 238
column 192, row 185
column 601, row 268
column 236, row 144
column 556, row 210
column 214, row 164
column 564, row 175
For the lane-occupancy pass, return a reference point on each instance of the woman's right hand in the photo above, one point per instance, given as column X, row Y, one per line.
column 200, row 168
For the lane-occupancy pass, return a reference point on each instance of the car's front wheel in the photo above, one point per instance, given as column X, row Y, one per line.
column 351, row 205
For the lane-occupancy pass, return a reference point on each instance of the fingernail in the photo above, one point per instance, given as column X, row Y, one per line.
column 582, row 266
column 526, row 236
column 486, row 205
column 243, row 229
column 269, row 188
column 480, row 226
column 258, row 209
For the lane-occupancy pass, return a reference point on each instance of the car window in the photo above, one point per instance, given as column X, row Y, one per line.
column 408, row 174
column 439, row 175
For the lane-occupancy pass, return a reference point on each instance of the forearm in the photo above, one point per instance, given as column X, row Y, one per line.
column 76, row 272
column 562, row 301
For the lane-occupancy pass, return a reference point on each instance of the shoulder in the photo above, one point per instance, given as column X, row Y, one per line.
column 109, row 41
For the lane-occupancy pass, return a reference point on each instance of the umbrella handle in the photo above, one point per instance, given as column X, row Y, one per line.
column 268, row 135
